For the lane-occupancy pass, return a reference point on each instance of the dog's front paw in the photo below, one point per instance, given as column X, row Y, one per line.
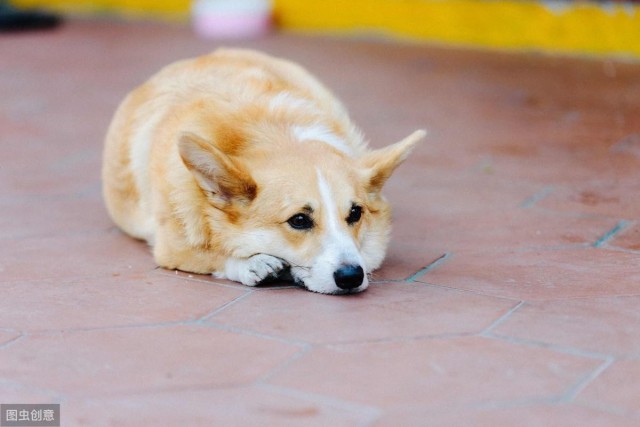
column 254, row 270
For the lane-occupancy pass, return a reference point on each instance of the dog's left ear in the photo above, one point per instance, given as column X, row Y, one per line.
column 225, row 180
column 378, row 165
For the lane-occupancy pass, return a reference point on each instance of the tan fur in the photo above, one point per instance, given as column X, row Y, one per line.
column 205, row 162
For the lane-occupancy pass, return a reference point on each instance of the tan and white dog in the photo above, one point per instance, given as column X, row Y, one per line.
column 243, row 165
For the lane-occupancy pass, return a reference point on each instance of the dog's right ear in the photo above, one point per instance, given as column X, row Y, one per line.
column 215, row 172
column 378, row 165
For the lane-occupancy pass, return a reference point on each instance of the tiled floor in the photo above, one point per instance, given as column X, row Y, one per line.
column 510, row 295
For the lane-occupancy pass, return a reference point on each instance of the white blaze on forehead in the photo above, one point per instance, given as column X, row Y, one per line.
column 287, row 101
column 338, row 247
column 338, row 243
column 321, row 133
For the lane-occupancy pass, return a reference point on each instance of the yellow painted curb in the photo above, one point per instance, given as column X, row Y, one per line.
column 512, row 24
column 582, row 27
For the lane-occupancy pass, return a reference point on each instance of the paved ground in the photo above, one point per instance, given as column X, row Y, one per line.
column 510, row 296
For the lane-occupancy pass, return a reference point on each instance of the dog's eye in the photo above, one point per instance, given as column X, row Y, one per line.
column 300, row 222
column 354, row 215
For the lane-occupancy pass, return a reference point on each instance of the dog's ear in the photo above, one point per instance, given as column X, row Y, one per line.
column 216, row 173
column 378, row 165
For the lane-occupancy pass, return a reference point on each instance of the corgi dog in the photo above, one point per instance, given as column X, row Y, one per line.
column 244, row 166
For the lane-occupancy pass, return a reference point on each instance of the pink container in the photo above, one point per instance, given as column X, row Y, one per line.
column 231, row 19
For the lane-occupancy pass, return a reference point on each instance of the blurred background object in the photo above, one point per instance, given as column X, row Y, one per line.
column 231, row 18
column 15, row 19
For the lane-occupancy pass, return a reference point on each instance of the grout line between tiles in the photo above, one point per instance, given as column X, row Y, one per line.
column 621, row 225
column 233, row 285
column 577, row 388
column 397, row 339
column 194, row 278
column 431, row 266
column 536, row 198
column 264, row 379
column 225, row 306
column 152, row 390
column 590, row 297
column 501, row 319
column 469, row 291
column 159, row 390
column 511, row 404
column 110, row 328
column 554, row 347
column 623, row 250
column 12, row 340
column 252, row 333
column 124, row 394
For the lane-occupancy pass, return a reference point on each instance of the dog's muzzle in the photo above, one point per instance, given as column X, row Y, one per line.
column 349, row 277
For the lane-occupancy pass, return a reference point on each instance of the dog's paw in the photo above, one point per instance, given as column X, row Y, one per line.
column 254, row 270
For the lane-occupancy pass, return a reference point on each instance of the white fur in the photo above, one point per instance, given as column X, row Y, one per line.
column 251, row 271
column 288, row 101
column 140, row 152
column 321, row 133
column 338, row 247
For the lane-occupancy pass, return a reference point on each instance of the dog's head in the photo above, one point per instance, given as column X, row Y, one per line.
column 313, row 206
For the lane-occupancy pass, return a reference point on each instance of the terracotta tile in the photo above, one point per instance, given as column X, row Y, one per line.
column 17, row 393
column 615, row 389
column 79, row 255
column 529, row 416
column 240, row 406
column 573, row 145
column 532, row 275
column 514, row 228
column 425, row 229
column 53, row 216
column 13, row 154
column 601, row 325
column 119, row 300
column 435, row 373
column 59, row 165
column 459, row 194
column 603, row 197
column 104, row 362
column 384, row 311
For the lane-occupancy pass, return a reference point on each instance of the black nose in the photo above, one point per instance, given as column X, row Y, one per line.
column 349, row 276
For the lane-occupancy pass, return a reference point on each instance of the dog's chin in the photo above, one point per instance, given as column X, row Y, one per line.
column 288, row 276
column 354, row 291
column 331, row 290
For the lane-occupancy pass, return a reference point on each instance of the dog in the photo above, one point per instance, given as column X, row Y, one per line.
column 245, row 166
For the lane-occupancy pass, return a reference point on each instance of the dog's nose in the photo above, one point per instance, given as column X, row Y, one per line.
column 349, row 276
